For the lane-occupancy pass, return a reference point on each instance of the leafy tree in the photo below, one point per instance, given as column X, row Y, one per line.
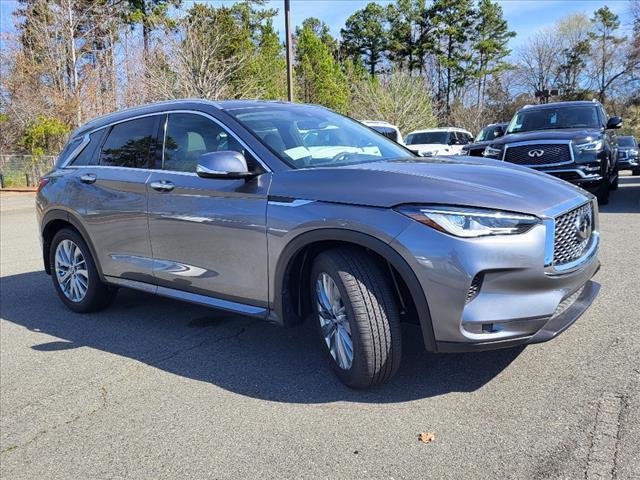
column 490, row 43
column 403, row 46
column 319, row 77
column 365, row 36
column 149, row 14
column 269, row 65
column 44, row 135
column 605, row 24
column 573, row 33
column 449, row 28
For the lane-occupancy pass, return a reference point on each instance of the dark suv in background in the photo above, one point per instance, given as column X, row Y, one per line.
column 570, row 140
column 629, row 154
column 487, row 135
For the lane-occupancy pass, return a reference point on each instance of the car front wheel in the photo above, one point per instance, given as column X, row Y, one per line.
column 74, row 274
column 356, row 316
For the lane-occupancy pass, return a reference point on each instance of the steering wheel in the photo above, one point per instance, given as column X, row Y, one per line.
column 340, row 157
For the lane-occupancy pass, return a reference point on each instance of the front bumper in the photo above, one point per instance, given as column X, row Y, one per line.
column 550, row 329
column 628, row 162
column 519, row 301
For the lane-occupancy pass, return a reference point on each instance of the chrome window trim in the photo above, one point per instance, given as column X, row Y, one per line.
column 167, row 112
column 540, row 142
column 549, row 221
column 76, row 151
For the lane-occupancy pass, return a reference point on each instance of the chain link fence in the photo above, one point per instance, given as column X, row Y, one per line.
column 24, row 170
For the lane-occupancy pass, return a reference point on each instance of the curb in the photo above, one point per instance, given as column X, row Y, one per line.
column 19, row 190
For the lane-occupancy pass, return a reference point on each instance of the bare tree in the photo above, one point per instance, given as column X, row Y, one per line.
column 538, row 60
column 193, row 63
column 399, row 98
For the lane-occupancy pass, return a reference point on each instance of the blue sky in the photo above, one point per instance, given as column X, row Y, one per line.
column 524, row 16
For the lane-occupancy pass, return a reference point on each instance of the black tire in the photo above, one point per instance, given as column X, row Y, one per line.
column 635, row 171
column 603, row 192
column 614, row 184
column 372, row 314
column 98, row 295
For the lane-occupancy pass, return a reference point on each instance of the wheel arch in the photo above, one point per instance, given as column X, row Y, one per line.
column 55, row 220
column 294, row 264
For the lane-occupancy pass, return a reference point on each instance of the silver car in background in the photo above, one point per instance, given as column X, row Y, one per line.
column 289, row 212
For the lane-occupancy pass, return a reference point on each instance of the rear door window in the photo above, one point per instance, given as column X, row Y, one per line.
column 131, row 144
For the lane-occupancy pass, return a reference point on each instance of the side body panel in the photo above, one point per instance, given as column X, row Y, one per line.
column 209, row 235
column 113, row 211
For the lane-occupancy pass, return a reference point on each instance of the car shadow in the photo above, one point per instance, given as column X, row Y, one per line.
column 243, row 355
column 627, row 198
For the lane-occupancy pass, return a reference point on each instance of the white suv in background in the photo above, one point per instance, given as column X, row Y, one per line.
column 438, row 141
column 386, row 129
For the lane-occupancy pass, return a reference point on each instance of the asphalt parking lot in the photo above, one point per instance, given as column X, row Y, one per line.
column 154, row 388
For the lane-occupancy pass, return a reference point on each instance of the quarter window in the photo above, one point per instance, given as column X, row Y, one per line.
column 189, row 135
column 130, row 144
column 89, row 154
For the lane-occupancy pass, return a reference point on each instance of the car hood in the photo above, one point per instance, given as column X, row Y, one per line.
column 463, row 181
column 564, row 134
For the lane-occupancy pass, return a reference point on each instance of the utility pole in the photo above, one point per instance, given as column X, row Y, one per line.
column 287, row 29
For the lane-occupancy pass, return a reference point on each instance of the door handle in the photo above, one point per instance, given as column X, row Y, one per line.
column 162, row 186
column 88, row 178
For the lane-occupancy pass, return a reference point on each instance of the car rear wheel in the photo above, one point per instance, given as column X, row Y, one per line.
column 74, row 274
column 356, row 316
column 603, row 192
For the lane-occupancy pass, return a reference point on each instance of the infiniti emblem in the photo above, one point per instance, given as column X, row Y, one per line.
column 584, row 225
column 536, row 153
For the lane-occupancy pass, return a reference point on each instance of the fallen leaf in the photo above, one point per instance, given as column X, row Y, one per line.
column 427, row 437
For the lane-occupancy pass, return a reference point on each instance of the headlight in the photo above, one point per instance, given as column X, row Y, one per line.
column 470, row 222
column 491, row 152
column 591, row 146
column 633, row 152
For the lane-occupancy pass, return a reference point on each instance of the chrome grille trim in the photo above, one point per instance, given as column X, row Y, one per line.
column 590, row 249
column 567, row 247
column 532, row 143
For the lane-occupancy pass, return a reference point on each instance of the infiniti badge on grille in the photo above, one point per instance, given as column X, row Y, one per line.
column 584, row 225
column 536, row 153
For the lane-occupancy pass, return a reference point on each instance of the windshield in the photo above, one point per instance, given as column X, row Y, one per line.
column 489, row 133
column 554, row 118
column 626, row 142
column 306, row 136
column 427, row 137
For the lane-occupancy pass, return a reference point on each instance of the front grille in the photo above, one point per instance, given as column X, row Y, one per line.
column 568, row 245
column 538, row 154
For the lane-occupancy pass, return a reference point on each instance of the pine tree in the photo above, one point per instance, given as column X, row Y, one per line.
column 490, row 44
column 320, row 78
column 364, row 35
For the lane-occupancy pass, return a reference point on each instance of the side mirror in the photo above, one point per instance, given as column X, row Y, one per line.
column 614, row 122
column 224, row 164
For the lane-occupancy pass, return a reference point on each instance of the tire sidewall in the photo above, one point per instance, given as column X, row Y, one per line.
column 359, row 367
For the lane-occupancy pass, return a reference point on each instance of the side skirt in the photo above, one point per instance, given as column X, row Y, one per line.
column 218, row 303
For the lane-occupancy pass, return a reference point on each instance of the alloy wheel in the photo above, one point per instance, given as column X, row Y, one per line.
column 71, row 270
column 334, row 323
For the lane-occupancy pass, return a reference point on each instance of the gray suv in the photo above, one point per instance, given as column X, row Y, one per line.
column 288, row 212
